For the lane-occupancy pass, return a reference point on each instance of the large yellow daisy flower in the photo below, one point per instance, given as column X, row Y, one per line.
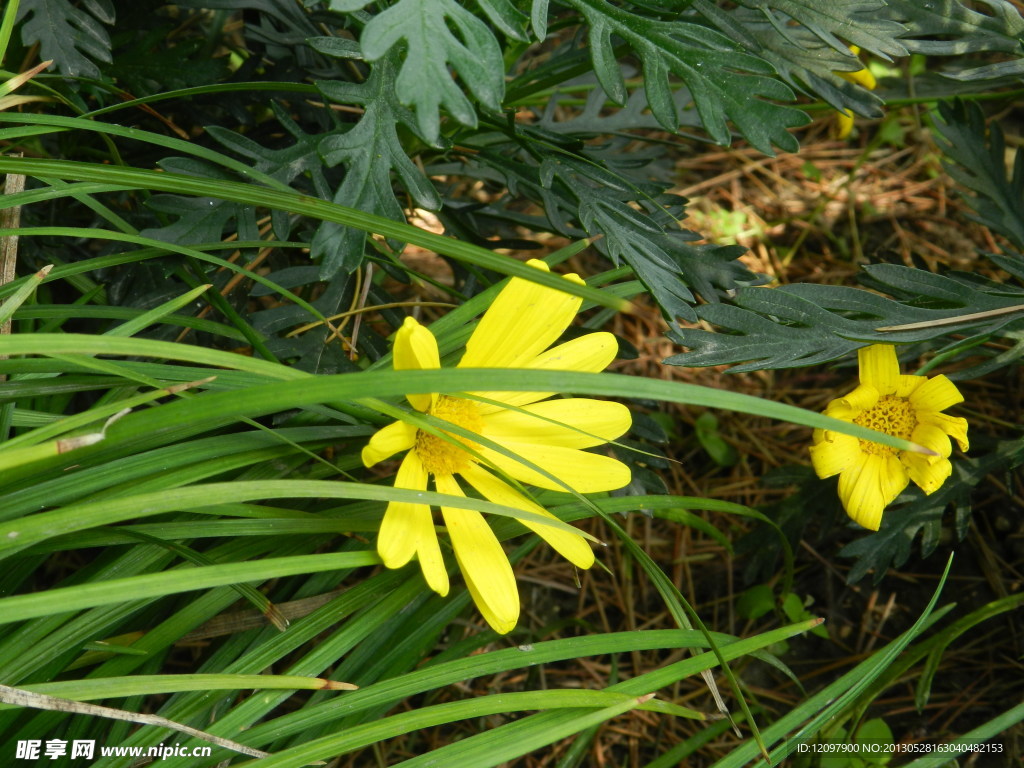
column 871, row 475
column 515, row 332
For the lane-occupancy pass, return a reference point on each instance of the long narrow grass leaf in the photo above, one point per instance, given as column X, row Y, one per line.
column 293, row 202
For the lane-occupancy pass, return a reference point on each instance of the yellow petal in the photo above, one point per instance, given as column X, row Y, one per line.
column 934, row 438
column 483, row 562
column 582, row 471
column 861, row 77
column 879, row 367
column 588, row 354
column 524, row 320
column 408, row 529
column 834, row 453
column 861, row 491
column 843, row 125
column 847, row 408
column 936, row 394
column 416, row 350
column 386, row 442
column 893, row 476
column 953, row 426
column 907, row 385
column 574, row 416
column 572, row 547
column 928, row 475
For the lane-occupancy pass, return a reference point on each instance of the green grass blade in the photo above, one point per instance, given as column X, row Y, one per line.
column 160, row 247
column 58, row 600
column 399, row 383
column 60, row 426
column 7, row 26
column 431, row 678
column 24, row 291
column 18, row 534
column 119, row 178
column 803, row 723
column 64, row 311
column 156, row 314
column 36, row 121
column 149, row 685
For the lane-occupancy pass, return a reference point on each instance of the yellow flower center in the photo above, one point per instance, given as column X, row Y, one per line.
column 446, row 457
column 893, row 415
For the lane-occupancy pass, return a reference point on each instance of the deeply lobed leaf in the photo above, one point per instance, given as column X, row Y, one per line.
column 725, row 82
column 72, row 38
column 431, row 47
column 806, row 324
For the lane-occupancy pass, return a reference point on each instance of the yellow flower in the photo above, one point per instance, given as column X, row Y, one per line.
column 871, row 475
column 862, row 77
column 515, row 332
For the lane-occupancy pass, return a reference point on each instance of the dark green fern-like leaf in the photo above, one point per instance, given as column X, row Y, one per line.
column 976, row 158
column 205, row 220
column 73, row 38
column 196, row 219
column 370, row 150
column 805, row 324
column 797, row 332
column 856, row 22
column 725, row 82
column 661, row 254
column 314, row 350
column 608, row 195
column 951, row 28
column 810, row 65
column 597, row 118
column 424, row 82
column 143, row 65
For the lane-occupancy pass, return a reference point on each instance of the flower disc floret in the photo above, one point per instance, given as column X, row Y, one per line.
column 517, row 331
column 447, row 455
column 872, row 475
column 891, row 415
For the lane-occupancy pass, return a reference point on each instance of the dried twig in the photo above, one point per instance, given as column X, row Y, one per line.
column 10, row 218
column 21, row 698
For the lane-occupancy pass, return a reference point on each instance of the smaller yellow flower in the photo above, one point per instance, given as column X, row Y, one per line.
column 872, row 475
column 862, row 77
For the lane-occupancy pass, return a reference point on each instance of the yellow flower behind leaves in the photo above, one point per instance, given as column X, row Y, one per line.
column 872, row 475
column 862, row 77
column 515, row 332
